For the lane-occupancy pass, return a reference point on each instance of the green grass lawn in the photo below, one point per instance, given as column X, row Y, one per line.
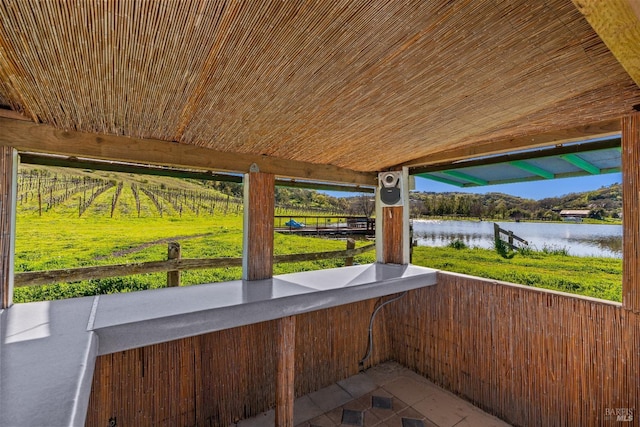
column 594, row 277
column 51, row 242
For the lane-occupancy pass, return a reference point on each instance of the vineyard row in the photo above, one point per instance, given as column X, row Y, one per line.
column 49, row 192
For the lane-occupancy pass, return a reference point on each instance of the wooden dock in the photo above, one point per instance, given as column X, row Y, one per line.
column 325, row 225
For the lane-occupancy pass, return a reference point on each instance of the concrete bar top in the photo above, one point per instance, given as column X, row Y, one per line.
column 48, row 349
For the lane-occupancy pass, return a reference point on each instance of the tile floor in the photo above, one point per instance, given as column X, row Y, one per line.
column 387, row 395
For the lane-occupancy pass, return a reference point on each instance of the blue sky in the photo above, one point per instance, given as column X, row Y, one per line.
column 535, row 190
column 530, row 190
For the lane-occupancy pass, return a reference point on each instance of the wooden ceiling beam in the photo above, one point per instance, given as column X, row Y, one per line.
column 617, row 22
column 10, row 114
column 26, row 136
column 557, row 137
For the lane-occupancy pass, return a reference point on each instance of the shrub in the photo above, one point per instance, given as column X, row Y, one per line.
column 503, row 249
column 457, row 244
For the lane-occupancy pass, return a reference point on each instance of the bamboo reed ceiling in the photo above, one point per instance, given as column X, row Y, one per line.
column 363, row 85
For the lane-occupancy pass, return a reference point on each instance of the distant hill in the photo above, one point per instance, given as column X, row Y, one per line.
column 603, row 202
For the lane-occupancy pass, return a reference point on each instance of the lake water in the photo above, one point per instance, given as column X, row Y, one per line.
column 578, row 239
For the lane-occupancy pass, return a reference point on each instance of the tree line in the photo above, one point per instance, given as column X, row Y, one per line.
column 605, row 202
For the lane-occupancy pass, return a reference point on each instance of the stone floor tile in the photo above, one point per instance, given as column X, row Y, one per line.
column 359, row 404
column 352, row 417
column 481, row 420
column 358, row 385
column 408, row 390
column 385, row 372
column 335, row 415
column 381, row 402
column 396, row 419
column 412, row 422
column 371, row 419
column 330, row 397
column 434, row 406
column 264, row 419
column 305, row 409
column 440, row 410
column 411, row 413
column 322, row 421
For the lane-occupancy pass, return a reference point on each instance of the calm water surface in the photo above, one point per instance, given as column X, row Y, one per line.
column 578, row 239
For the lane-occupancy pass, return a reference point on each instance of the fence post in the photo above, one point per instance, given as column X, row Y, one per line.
column 511, row 245
column 351, row 244
column 173, row 276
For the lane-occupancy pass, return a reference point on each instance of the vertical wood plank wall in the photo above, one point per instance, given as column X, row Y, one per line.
column 392, row 235
column 531, row 357
column 285, row 374
column 259, row 211
column 217, row 378
column 631, row 212
column 8, row 164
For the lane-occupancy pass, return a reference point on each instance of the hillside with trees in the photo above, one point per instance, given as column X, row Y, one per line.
column 43, row 188
column 605, row 202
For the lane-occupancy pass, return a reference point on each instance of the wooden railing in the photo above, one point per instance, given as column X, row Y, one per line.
column 510, row 236
column 171, row 265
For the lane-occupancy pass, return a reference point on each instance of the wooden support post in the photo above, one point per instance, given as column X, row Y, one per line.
column 630, row 209
column 351, row 244
column 393, row 244
column 8, row 190
column 285, row 371
column 392, row 235
column 259, row 206
column 173, row 252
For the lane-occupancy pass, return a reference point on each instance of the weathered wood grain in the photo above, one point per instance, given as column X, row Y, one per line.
column 259, row 205
column 630, row 210
column 219, row 378
column 32, row 278
column 529, row 356
column 8, row 171
column 392, row 235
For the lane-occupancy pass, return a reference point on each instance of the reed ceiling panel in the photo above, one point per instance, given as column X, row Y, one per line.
column 358, row 84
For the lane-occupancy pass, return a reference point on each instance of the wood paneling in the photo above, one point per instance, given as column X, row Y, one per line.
column 392, row 237
column 258, row 226
column 630, row 211
column 618, row 25
column 39, row 138
column 218, row 378
column 361, row 85
column 531, row 357
column 285, row 375
column 505, row 145
column 8, row 170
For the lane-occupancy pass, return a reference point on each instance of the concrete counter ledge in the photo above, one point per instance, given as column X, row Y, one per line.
column 48, row 349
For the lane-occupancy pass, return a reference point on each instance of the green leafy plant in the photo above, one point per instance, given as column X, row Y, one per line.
column 457, row 244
